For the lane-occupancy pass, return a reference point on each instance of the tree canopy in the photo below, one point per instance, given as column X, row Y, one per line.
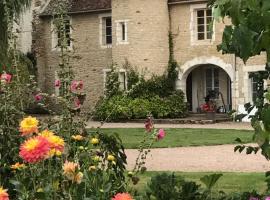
column 249, row 32
column 9, row 10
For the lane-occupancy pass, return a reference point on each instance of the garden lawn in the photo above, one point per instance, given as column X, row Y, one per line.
column 229, row 183
column 183, row 137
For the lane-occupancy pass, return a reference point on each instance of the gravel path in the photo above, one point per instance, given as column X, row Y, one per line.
column 225, row 125
column 196, row 159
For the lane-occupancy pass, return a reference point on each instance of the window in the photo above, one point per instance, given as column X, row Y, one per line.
column 62, row 32
column 253, row 89
column 122, row 78
column 121, row 32
column 212, row 80
column 204, row 19
column 106, row 31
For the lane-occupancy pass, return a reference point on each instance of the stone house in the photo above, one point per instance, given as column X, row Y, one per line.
column 112, row 31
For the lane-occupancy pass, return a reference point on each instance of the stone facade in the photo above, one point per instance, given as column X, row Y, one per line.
column 147, row 25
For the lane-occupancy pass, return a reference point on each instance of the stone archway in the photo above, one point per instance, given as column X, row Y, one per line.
column 195, row 63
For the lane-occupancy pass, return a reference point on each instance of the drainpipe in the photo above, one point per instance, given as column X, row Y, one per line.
column 234, row 81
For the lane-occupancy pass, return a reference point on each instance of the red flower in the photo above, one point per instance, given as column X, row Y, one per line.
column 76, row 85
column 5, row 78
column 57, row 83
column 38, row 97
column 148, row 124
column 122, row 196
column 161, row 134
column 35, row 149
column 77, row 102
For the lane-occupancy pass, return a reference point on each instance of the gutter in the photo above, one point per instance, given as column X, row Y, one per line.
column 81, row 12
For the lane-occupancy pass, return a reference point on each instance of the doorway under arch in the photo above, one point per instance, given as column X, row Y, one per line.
column 202, row 80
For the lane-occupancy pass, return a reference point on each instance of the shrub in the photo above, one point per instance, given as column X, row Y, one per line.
column 123, row 107
column 115, row 108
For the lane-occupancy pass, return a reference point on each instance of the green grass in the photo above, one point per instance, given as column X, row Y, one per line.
column 229, row 183
column 183, row 137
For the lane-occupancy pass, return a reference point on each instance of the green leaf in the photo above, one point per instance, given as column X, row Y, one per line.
column 210, row 180
column 266, row 118
column 107, row 187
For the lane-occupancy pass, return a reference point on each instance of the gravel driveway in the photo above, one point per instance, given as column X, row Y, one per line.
column 196, row 159
column 224, row 125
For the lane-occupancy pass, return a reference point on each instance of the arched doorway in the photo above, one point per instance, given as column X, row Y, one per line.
column 192, row 80
column 204, row 79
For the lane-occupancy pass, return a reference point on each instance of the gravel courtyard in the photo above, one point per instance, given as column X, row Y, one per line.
column 203, row 158
column 210, row 158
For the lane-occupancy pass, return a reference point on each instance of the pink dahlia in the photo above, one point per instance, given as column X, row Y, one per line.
column 122, row 196
column 35, row 149
column 3, row 194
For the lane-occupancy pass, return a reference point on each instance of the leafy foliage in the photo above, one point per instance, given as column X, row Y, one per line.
column 124, row 107
column 249, row 33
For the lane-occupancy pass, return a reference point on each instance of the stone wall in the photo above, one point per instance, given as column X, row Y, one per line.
column 147, row 31
column 88, row 58
column 187, row 51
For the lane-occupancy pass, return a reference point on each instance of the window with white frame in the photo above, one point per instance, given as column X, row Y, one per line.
column 58, row 33
column 106, row 30
column 202, row 25
column 204, row 20
column 212, row 80
column 122, row 78
column 121, row 32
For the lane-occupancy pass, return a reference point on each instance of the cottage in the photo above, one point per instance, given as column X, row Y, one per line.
column 112, row 31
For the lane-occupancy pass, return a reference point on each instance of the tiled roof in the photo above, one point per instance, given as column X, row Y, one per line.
column 77, row 6
column 80, row 6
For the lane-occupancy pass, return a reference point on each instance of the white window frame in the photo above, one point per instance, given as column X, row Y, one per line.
column 106, row 71
column 101, row 39
column 193, row 26
column 119, row 32
column 54, row 35
column 123, row 85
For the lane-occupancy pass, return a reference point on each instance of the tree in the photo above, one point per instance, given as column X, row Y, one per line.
column 9, row 11
column 247, row 36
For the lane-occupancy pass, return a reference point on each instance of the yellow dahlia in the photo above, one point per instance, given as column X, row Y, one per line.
column 111, row 158
column 35, row 149
column 77, row 137
column 92, row 168
column 29, row 125
column 94, row 141
column 3, row 194
column 56, row 143
column 17, row 166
